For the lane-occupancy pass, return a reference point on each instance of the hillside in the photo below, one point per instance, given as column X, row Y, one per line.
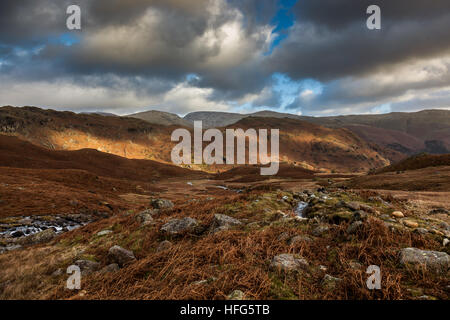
column 406, row 133
column 418, row 162
column 301, row 143
column 161, row 118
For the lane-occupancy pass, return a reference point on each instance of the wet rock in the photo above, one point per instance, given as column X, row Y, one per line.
column 354, row 227
column 161, row 204
column 236, row 295
column 104, row 233
column 179, row 226
column 164, row 245
column 113, row 267
column 320, row 230
column 17, row 234
column 222, row 222
column 87, row 266
column 330, row 282
column 431, row 260
column 121, row 256
column 398, row 214
column 288, row 262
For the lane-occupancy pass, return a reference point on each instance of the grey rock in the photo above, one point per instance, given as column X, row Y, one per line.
column 87, row 266
column 236, row 295
column 223, row 222
column 434, row 261
column 113, row 267
column 354, row 227
column 144, row 218
column 41, row 237
column 288, row 262
column 439, row 211
column 421, row 231
column 121, row 256
column 161, row 204
column 299, row 239
column 164, row 245
column 104, row 233
column 330, row 282
column 355, row 206
column 320, row 230
column 179, row 226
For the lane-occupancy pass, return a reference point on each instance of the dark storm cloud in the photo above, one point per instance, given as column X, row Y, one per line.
column 331, row 39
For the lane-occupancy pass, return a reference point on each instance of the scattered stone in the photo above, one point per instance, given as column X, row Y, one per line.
column 144, row 218
column 330, row 282
column 104, row 233
column 121, row 256
column 398, row 214
column 299, row 239
column 236, row 295
column 161, row 204
column 354, row 227
column 222, row 222
column 432, row 260
column 323, row 268
column 421, row 230
column 113, row 267
column 288, row 262
column 87, row 266
column 445, row 242
column 439, row 211
column 355, row 206
column 164, row 245
column 359, row 215
column 320, row 230
column 178, row 226
column 58, row 272
column 410, row 223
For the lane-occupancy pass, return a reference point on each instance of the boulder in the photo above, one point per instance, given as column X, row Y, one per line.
column 398, row 214
column 41, row 237
column 144, row 218
column 222, row 222
column 434, row 261
column 161, row 204
column 179, row 226
column 113, row 267
column 288, row 262
column 87, row 266
column 121, row 256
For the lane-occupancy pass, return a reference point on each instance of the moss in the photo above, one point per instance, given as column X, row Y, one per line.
column 280, row 290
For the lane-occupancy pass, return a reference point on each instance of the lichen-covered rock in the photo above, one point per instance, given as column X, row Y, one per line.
column 223, row 222
column 299, row 239
column 144, row 218
column 41, row 237
column 179, row 226
column 288, row 262
column 320, row 230
column 161, row 204
column 236, row 295
column 434, row 261
column 121, row 256
column 330, row 282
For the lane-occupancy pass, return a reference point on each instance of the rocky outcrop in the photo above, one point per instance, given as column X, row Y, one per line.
column 434, row 261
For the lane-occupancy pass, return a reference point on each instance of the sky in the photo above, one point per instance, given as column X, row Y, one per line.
column 306, row 57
